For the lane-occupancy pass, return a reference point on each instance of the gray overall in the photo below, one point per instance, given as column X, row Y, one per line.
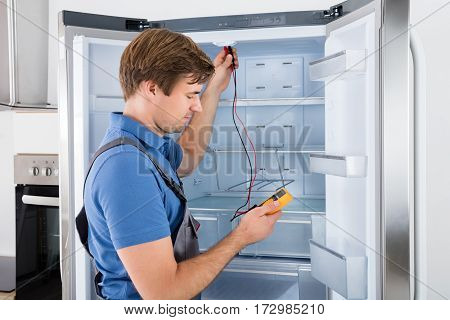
column 184, row 237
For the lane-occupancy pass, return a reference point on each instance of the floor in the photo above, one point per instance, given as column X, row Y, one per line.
column 7, row 295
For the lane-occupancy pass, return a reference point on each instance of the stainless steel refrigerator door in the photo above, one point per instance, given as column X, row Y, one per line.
column 391, row 248
column 76, row 268
column 7, row 53
column 23, row 53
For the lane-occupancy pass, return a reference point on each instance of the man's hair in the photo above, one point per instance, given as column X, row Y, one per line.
column 164, row 57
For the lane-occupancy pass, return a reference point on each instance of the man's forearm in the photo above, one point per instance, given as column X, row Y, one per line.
column 195, row 138
column 196, row 274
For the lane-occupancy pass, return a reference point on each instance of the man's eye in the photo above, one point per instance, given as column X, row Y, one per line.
column 189, row 97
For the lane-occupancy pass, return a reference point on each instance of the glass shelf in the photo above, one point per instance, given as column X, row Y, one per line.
column 227, row 203
column 271, row 149
column 281, row 149
column 307, row 101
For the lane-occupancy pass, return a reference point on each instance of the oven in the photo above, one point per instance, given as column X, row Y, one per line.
column 37, row 227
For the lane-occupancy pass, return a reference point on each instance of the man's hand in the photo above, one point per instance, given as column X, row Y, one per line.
column 257, row 225
column 221, row 78
column 156, row 274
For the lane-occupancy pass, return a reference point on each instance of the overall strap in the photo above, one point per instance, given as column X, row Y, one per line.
column 175, row 187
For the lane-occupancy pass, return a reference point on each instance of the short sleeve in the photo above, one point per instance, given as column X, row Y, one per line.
column 131, row 200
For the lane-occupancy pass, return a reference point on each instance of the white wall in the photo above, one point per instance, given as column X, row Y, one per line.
column 36, row 132
column 7, row 195
column 431, row 32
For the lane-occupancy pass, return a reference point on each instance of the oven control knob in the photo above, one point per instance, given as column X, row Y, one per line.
column 46, row 172
column 33, row 171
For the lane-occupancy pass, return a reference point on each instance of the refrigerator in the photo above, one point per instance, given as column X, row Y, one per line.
column 23, row 76
column 324, row 96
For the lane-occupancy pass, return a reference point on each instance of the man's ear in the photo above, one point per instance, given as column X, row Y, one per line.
column 148, row 88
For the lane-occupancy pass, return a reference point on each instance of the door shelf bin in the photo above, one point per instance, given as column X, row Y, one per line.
column 347, row 275
column 267, row 279
column 341, row 65
column 343, row 166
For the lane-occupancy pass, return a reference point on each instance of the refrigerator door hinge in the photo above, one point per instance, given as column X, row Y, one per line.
column 334, row 12
column 141, row 24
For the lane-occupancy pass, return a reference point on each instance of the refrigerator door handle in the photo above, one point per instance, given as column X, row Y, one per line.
column 12, row 50
column 418, row 250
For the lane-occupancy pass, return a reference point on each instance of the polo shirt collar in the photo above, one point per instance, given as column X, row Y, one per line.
column 118, row 120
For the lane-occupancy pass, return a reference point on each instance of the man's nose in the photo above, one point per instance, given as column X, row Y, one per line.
column 197, row 105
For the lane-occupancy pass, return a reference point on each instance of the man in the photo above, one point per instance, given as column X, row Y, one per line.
column 140, row 233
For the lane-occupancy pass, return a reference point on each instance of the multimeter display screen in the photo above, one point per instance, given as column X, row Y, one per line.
column 280, row 193
column 283, row 196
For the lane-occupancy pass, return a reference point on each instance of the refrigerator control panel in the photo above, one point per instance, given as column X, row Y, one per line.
column 254, row 21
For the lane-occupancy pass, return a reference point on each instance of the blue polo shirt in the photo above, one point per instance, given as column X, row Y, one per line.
column 127, row 202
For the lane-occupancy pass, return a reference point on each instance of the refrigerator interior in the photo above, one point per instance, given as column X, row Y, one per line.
column 284, row 112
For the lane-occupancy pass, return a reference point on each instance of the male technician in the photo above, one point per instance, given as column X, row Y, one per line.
column 141, row 234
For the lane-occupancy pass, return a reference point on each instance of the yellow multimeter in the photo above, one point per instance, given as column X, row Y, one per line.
column 282, row 195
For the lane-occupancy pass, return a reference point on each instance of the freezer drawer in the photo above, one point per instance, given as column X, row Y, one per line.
column 265, row 279
column 213, row 227
column 310, row 288
column 347, row 275
column 290, row 238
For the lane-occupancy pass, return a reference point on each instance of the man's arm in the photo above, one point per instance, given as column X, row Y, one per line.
column 196, row 136
column 156, row 275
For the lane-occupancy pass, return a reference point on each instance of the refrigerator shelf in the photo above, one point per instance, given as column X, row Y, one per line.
column 261, row 185
column 215, row 203
column 283, row 149
column 343, row 166
column 107, row 103
column 341, row 65
column 345, row 274
column 298, row 102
